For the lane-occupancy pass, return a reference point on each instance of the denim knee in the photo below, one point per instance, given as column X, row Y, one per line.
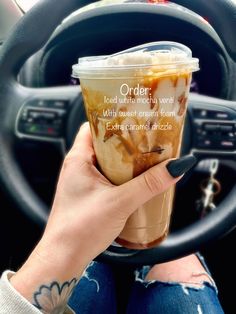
column 153, row 296
column 95, row 292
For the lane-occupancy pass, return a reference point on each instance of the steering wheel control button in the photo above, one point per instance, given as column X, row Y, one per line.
column 216, row 136
column 37, row 130
column 49, row 116
column 60, row 104
column 215, row 130
column 34, row 115
column 57, row 103
column 205, row 143
column 220, row 115
column 211, row 127
column 226, row 128
column 228, row 144
column 43, row 118
column 211, row 114
column 199, row 113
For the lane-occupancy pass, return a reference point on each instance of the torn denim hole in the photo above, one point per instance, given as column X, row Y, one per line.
column 140, row 275
column 199, row 309
column 87, row 275
column 202, row 261
column 197, row 285
column 191, row 286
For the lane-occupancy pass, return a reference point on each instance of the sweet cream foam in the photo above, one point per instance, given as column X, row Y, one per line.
column 140, row 58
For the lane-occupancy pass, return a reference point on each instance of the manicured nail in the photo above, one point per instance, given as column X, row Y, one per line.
column 179, row 166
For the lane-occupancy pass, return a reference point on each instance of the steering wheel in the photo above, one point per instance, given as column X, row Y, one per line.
column 17, row 101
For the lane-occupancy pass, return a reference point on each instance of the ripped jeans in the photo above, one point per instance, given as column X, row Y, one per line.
column 95, row 294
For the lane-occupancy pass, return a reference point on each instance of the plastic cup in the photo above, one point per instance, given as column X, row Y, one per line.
column 136, row 102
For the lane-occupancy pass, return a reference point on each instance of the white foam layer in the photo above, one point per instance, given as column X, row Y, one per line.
column 147, row 59
column 141, row 58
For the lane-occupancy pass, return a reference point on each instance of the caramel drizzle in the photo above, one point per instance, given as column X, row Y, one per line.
column 182, row 104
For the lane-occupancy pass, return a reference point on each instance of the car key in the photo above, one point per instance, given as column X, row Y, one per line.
column 209, row 187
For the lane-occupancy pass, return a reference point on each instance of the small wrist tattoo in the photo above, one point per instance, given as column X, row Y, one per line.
column 53, row 298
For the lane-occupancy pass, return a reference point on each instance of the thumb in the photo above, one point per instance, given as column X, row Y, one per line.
column 154, row 181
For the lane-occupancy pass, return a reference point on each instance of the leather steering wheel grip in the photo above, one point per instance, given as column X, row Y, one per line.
column 28, row 36
column 221, row 14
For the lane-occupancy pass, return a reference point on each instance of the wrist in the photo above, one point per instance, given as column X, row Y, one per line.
column 79, row 239
column 51, row 261
column 61, row 250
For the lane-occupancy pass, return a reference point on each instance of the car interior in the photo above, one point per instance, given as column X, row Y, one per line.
column 41, row 110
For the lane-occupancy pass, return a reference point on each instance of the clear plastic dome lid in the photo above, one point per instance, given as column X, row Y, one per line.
column 155, row 56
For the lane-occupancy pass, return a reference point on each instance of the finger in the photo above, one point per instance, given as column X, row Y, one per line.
column 83, row 145
column 154, row 181
column 84, row 137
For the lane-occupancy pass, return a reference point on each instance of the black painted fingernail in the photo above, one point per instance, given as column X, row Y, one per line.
column 179, row 166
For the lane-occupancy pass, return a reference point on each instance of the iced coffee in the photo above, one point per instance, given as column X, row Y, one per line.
column 136, row 102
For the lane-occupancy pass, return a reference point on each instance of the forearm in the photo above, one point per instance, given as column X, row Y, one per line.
column 50, row 274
